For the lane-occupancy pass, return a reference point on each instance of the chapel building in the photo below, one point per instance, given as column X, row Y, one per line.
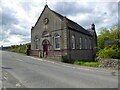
column 56, row 37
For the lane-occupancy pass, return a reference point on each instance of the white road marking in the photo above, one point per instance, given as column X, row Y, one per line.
column 18, row 85
column 4, row 88
column 59, row 64
column 5, row 78
column 20, row 60
column 82, row 68
column 37, row 58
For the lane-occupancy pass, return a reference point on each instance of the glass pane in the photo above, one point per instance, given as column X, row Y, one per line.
column 57, row 42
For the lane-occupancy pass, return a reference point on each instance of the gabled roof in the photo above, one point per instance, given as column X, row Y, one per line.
column 41, row 15
column 71, row 24
column 59, row 15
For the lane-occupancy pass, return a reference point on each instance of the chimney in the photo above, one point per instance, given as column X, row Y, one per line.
column 93, row 26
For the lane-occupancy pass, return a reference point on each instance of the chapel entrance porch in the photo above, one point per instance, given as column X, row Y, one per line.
column 45, row 45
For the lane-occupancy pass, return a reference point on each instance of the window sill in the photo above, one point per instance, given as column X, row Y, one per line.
column 57, row 49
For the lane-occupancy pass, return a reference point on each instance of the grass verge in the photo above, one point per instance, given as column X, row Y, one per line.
column 85, row 63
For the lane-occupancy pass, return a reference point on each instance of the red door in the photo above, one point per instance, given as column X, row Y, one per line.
column 45, row 48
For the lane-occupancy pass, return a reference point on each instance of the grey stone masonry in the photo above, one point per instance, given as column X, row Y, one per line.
column 52, row 37
column 109, row 63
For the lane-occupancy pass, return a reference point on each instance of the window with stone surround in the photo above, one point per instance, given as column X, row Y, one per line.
column 36, row 41
column 80, row 42
column 86, row 43
column 90, row 42
column 57, row 42
column 45, row 34
column 73, row 42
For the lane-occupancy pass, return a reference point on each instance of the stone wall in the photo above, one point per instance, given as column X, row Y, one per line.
column 109, row 63
column 34, row 52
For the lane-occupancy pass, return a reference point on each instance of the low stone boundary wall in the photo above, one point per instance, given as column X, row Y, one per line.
column 109, row 63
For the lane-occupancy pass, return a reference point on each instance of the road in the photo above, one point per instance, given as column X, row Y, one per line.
column 29, row 72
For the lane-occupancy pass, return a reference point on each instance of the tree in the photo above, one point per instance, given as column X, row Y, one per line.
column 112, row 50
column 107, row 34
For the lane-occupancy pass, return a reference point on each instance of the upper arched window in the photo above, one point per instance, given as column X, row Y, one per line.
column 45, row 34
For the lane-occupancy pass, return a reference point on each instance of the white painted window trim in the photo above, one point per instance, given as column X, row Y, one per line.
column 73, row 42
column 80, row 42
column 86, row 46
column 90, row 42
column 37, row 44
column 55, row 43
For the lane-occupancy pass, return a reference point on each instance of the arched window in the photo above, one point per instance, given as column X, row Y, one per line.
column 57, row 41
column 86, row 43
column 80, row 43
column 90, row 42
column 45, row 34
column 36, row 41
column 73, row 42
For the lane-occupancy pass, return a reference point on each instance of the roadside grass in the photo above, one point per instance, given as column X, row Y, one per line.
column 82, row 62
column 85, row 63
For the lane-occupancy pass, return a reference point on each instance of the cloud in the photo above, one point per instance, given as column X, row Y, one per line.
column 18, row 16
column 15, row 23
column 8, row 16
column 103, row 14
column 72, row 8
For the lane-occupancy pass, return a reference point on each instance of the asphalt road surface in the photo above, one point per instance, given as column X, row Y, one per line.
column 21, row 71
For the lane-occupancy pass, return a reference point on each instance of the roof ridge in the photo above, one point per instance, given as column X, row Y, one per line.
column 58, row 14
column 72, row 23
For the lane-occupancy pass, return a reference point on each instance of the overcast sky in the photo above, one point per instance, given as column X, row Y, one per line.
column 18, row 16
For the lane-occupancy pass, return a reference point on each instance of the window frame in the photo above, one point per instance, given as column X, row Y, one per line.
column 73, row 42
column 36, row 42
column 86, row 44
column 56, row 37
column 90, row 42
column 45, row 34
column 80, row 43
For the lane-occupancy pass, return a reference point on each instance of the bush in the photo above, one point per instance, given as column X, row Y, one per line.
column 112, row 51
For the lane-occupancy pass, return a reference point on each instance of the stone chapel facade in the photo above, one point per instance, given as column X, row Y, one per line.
column 56, row 37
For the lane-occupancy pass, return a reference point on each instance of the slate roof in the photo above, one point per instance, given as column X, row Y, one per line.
column 73, row 25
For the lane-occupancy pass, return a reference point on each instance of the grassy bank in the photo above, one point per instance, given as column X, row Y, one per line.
column 85, row 63
column 82, row 62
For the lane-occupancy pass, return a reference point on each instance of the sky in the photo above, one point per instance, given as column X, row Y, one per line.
column 18, row 16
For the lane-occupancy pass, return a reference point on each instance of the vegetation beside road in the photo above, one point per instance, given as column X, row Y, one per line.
column 112, row 50
column 22, row 48
column 84, row 63
column 89, row 63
